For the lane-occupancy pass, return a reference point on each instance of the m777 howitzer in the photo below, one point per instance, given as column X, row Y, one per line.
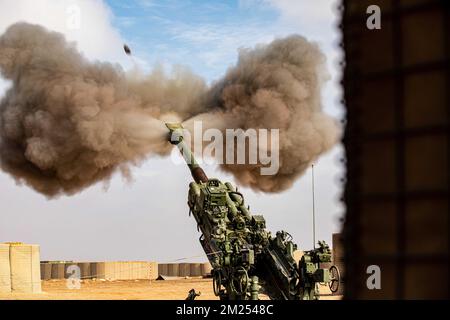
column 244, row 255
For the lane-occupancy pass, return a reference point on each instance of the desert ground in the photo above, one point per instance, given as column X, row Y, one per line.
column 127, row 290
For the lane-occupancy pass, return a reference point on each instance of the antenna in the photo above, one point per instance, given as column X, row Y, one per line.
column 313, row 208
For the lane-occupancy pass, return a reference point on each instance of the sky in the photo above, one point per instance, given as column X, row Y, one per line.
column 147, row 219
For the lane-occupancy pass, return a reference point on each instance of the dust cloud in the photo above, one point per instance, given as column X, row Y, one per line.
column 67, row 123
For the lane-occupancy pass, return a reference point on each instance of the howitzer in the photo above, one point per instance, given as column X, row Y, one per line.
column 245, row 256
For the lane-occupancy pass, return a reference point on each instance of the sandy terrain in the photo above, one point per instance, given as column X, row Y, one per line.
column 124, row 290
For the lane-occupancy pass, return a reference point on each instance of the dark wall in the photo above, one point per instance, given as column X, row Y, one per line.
column 396, row 83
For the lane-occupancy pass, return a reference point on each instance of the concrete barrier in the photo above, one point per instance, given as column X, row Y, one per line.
column 25, row 268
column 153, row 270
column 110, row 270
column 206, row 269
column 105, row 270
column 138, row 270
column 98, row 270
column 58, row 271
column 195, row 270
column 85, row 270
column 71, row 270
column 163, row 269
column 173, row 269
column 184, row 270
column 46, row 271
column 5, row 270
column 123, row 270
column 146, row 270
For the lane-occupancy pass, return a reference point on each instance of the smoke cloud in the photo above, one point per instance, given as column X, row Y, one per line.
column 276, row 87
column 67, row 123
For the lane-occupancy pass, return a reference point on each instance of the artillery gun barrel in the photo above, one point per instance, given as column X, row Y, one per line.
column 176, row 138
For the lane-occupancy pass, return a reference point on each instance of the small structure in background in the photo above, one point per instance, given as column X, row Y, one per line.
column 169, row 270
column 110, row 270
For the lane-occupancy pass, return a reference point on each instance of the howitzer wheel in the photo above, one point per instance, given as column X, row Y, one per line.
column 217, row 282
column 335, row 278
column 239, row 281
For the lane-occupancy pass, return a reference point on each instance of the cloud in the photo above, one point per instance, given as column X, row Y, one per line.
column 221, row 40
column 147, row 3
column 306, row 14
column 317, row 10
column 215, row 42
column 3, row 86
column 87, row 22
column 318, row 21
column 126, row 22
